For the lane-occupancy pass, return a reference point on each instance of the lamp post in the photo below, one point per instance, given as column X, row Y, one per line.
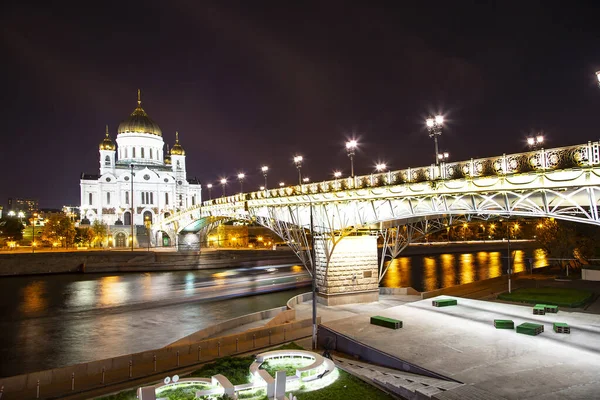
column 209, row 187
column 132, row 209
column 535, row 142
column 351, row 146
column 33, row 218
column 380, row 167
column 223, row 184
column 306, row 179
column 434, row 126
column 298, row 163
column 509, row 257
column 281, row 184
column 443, row 157
column 264, row 170
column 241, row 177
column 314, row 279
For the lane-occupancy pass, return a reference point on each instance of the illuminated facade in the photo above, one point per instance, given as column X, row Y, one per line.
column 137, row 181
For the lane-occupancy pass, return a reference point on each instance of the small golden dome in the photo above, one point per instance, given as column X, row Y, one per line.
column 139, row 122
column 168, row 157
column 177, row 150
column 107, row 143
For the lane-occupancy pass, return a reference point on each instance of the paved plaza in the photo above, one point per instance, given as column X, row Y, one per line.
column 461, row 342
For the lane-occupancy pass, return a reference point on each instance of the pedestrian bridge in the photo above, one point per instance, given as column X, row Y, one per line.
column 403, row 205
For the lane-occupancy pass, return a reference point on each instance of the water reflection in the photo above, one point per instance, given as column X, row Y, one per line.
column 429, row 272
column 112, row 291
column 467, row 268
column 34, row 298
column 426, row 273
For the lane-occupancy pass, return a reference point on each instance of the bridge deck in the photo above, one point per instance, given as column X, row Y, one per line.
column 461, row 342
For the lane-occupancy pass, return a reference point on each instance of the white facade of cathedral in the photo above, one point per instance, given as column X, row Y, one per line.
column 136, row 178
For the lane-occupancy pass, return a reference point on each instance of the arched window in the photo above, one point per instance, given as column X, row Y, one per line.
column 178, row 165
column 151, row 154
column 107, row 161
column 90, row 198
column 126, row 197
column 142, row 150
column 166, row 199
column 107, row 197
column 133, row 152
column 127, row 218
column 125, row 152
column 194, row 200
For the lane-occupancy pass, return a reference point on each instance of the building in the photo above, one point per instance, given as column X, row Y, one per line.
column 26, row 206
column 137, row 181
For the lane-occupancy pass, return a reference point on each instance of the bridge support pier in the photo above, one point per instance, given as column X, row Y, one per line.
column 350, row 276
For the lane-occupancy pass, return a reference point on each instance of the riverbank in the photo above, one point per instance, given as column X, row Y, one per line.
column 135, row 261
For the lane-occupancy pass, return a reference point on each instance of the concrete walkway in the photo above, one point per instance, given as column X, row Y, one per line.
column 461, row 342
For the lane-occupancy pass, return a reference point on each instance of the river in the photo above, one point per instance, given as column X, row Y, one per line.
column 50, row 321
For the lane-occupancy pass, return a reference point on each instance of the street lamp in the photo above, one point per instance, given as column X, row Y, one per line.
column 281, row 184
column 261, row 188
column 241, row 177
column 306, row 179
column 351, row 146
column 209, row 187
column 298, row 163
column 34, row 217
column 535, row 142
column 443, row 156
column 223, row 184
column 380, row 167
column 264, row 170
column 337, row 174
column 434, row 126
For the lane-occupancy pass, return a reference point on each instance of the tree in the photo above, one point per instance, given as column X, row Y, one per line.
column 84, row 236
column 59, row 229
column 567, row 240
column 100, row 231
column 11, row 229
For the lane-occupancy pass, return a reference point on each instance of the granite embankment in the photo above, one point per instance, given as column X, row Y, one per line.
column 135, row 261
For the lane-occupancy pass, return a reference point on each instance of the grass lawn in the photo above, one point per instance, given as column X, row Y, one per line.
column 237, row 370
column 272, row 366
column 554, row 296
column 346, row 387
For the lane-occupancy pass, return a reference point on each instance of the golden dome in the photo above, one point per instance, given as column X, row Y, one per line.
column 107, row 143
column 168, row 157
column 139, row 122
column 177, row 150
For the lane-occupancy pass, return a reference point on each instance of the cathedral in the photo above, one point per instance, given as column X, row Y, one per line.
column 138, row 182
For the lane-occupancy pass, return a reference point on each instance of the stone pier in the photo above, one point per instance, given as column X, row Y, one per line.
column 352, row 273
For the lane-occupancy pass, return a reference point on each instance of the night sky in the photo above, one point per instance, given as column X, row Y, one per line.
column 255, row 83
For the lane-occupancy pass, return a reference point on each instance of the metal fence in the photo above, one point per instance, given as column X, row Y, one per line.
column 92, row 375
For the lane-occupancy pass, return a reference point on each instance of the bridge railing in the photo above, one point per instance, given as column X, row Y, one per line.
column 506, row 164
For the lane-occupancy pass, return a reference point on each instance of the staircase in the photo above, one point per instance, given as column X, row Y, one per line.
column 412, row 386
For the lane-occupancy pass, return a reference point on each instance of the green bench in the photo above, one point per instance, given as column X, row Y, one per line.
column 504, row 324
column 539, row 309
column 549, row 308
column 386, row 322
column 529, row 328
column 561, row 327
column 444, row 302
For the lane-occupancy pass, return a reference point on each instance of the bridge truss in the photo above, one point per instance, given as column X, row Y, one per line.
column 404, row 206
